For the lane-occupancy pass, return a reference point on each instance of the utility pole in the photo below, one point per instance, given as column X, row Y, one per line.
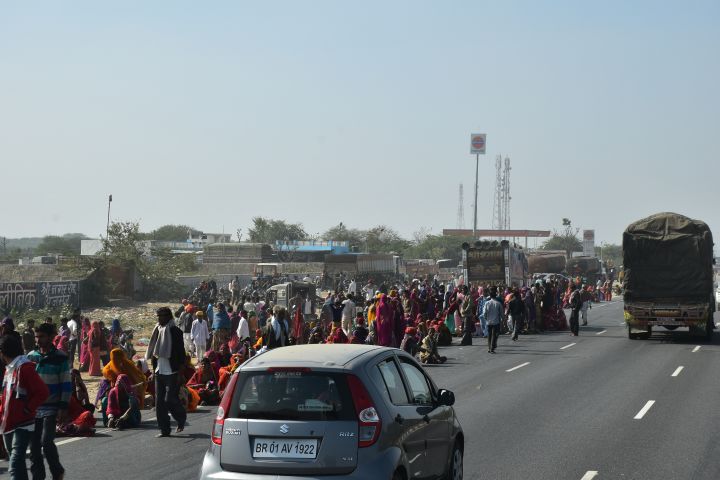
column 107, row 229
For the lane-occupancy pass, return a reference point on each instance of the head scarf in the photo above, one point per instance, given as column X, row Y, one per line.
column 120, row 365
column 339, row 336
column 8, row 322
column 115, row 329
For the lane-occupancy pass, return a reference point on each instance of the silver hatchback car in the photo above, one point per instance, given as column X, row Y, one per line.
column 334, row 412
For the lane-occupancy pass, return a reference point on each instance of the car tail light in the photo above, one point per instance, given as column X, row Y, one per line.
column 223, row 409
column 368, row 419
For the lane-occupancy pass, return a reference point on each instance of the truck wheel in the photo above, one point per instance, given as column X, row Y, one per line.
column 647, row 334
column 709, row 327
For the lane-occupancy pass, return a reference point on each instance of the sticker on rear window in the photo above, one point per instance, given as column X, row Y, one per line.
column 287, row 374
column 243, row 406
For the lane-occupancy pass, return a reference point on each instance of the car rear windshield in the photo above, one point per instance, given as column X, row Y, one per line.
column 292, row 395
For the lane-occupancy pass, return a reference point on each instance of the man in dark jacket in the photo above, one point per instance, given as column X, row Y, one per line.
column 516, row 310
column 167, row 353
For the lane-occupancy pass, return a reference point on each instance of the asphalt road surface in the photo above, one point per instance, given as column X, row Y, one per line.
column 549, row 406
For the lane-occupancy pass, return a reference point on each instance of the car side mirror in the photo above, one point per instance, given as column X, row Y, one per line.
column 446, row 397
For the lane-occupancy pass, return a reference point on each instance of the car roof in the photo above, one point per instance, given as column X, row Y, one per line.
column 314, row 355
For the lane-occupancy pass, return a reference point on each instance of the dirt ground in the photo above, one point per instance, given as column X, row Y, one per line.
column 132, row 315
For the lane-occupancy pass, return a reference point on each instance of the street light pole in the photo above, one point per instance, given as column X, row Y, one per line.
column 477, row 168
column 107, row 229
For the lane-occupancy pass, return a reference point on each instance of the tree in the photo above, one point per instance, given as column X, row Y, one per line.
column 611, row 254
column 68, row 244
column 383, row 239
column 341, row 233
column 438, row 247
column 171, row 233
column 566, row 239
column 266, row 230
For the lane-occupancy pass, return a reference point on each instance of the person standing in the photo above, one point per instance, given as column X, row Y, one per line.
column 278, row 329
column 221, row 327
column 167, row 354
column 235, row 291
column 516, row 311
column 585, row 298
column 74, row 327
column 575, row 306
column 467, row 311
column 53, row 367
column 28, row 337
column 23, row 391
column 243, row 329
column 348, row 314
column 352, row 288
column 493, row 311
column 200, row 334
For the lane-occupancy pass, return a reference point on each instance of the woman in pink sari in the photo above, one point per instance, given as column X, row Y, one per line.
column 84, row 348
column 384, row 322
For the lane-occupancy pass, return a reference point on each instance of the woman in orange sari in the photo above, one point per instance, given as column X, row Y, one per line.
column 120, row 365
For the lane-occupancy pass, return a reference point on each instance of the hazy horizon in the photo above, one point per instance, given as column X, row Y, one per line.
column 321, row 112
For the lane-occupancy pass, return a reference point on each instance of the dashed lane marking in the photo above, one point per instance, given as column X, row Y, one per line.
column 644, row 410
column 519, row 366
column 567, row 346
column 589, row 475
column 601, row 332
column 677, row 371
column 697, row 347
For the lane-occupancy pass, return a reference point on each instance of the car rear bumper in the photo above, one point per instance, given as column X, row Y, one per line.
column 378, row 465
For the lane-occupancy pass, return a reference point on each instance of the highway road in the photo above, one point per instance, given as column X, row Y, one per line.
column 549, row 406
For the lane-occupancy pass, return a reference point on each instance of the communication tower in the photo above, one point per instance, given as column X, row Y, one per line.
column 461, row 208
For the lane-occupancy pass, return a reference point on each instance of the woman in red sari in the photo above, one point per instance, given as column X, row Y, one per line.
column 384, row 322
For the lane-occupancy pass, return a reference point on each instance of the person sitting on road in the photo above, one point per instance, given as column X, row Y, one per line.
column 119, row 365
column 429, row 351
column 123, row 407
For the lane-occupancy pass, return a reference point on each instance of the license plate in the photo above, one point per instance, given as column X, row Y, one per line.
column 284, row 448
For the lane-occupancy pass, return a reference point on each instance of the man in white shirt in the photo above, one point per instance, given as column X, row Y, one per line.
column 352, row 288
column 243, row 330
column 167, row 352
column 250, row 306
column 369, row 290
column 348, row 314
column 72, row 326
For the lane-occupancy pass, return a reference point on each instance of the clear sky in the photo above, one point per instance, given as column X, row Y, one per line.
column 210, row 113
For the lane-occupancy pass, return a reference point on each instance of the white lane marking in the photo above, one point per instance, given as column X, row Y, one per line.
column 677, row 371
column 589, row 475
column 69, row 440
column 644, row 409
column 519, row 366
column 567, row 346
column 696, row 349
column 622, row 324
column 601, row 332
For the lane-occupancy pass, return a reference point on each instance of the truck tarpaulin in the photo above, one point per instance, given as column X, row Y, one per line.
column 546, row 263
column 668, row 256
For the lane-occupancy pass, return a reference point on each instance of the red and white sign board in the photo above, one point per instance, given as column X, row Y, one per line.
column 477, row 143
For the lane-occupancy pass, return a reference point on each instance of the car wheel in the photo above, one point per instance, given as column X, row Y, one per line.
column 631, row 335
column 455, row 470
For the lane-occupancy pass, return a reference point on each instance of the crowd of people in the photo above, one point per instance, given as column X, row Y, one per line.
column 195, row 348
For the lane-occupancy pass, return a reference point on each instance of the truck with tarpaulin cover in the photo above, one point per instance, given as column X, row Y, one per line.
column 494, row 263
column 668, row 275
